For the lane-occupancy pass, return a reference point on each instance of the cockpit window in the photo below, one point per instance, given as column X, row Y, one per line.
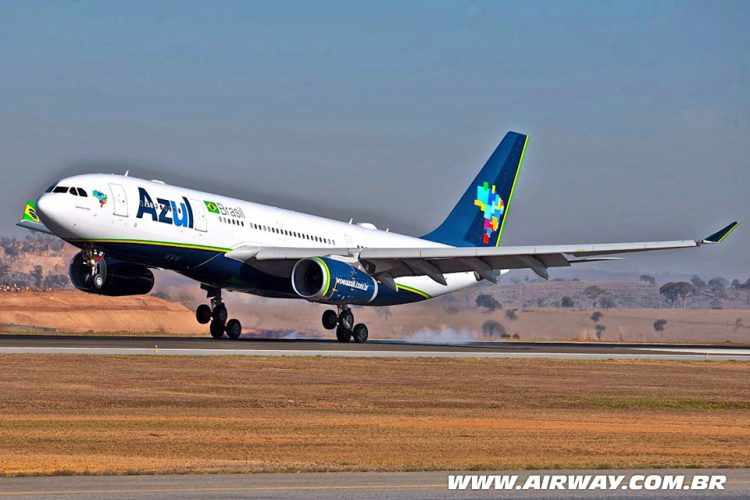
column 60, row 189
column 73, row 191
column 82, row 192
column 49, row 189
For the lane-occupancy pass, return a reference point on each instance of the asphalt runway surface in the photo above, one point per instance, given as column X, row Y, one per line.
column 249, row 346
column 339, row 485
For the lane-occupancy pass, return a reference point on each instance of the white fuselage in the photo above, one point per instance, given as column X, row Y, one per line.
column 176, row 219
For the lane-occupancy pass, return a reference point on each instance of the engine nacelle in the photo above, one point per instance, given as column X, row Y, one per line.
column 116, row 277
column 322, row 279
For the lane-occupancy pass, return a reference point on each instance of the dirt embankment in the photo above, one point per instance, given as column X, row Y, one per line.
column 79, row 312
column 72, row 311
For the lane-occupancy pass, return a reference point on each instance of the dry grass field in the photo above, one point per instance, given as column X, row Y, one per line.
column 71, row 414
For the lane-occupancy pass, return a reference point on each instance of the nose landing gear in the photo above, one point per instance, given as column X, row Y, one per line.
column 217, row 314
column 98, row 267
column 343, row 322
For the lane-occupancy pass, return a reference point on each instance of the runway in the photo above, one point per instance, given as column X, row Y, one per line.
column 192, row 346
column 359, row 485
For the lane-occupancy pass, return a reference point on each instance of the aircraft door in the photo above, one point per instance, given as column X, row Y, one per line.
column 199, row 213
column 120, row 199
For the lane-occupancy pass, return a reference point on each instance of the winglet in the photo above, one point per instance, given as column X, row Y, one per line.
column 722, row 233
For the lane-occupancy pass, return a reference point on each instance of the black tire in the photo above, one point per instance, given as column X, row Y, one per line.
column 203, row 314
column 98, row 281
column 359, row 334
column 343, row 334
column 233, row 329
column 346, row 319
column 220, row 313
column 330, row 319
column 216, row 329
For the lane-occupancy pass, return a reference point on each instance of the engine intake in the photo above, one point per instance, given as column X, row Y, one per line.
column 322, row 279
column 117, row 277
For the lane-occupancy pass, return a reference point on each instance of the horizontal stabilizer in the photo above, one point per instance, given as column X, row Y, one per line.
column 30, row 219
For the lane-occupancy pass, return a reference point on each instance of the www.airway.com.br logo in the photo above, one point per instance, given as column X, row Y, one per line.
column 492, row 207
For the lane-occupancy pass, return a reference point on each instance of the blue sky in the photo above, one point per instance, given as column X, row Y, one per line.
column 638, row 112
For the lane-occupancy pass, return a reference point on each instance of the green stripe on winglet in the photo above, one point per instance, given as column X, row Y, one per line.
column 723, row 233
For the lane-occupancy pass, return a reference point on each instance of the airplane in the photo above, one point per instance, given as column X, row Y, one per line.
column 126, row 226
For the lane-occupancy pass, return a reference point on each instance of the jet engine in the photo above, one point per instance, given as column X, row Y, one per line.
column 331, row 281
column 110, row 276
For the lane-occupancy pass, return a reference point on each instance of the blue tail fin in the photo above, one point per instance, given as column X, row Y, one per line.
column 479, row 217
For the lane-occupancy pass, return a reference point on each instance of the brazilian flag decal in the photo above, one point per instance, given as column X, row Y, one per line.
column 212, row 207
column 29, row 212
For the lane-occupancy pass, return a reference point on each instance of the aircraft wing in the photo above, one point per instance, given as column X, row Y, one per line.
column 437, row 261
column 30, row 219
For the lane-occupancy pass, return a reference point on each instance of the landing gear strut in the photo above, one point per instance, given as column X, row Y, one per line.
column 343, row 322
column 217, row 314
column 95, row 260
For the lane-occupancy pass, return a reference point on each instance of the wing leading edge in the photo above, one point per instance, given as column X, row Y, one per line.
column 437, row 261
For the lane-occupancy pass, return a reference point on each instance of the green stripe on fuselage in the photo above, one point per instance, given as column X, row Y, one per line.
column 157, row 243
column 411, row 289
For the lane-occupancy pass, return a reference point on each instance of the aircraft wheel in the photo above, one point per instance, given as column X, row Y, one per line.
column 234, row 329
column 343, row 334
column 217, row 329
column 98, row 281
column 219, row 313
column 359, row 334
column 346, row 319
column 203, row 314
column 330, row 319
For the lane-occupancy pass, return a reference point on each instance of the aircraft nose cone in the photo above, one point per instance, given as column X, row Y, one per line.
column 44, row 206
column 50, row 211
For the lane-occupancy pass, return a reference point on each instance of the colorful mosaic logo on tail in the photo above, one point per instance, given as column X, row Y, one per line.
column 492, row 207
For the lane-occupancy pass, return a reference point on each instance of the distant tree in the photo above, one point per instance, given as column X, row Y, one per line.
column 596, row 316
column 511, row 314
column 607, row 302
column 37, row 275
column 516, row 336
column 736, row 284
column 383, row 312
column 674, row 291
column 593, row 292
column 567, row 302
column 647, row 278
column 599, row 330
column 4, row 268
column 718, row 284
column 697, row 282
column 493, row 328
column 738, row 324
column 716, row 304
column 56, row 281
column 488, row 302
column 659, row 325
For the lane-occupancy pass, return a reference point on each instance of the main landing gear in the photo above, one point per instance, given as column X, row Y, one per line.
column 343, row 322
column 217, row 314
